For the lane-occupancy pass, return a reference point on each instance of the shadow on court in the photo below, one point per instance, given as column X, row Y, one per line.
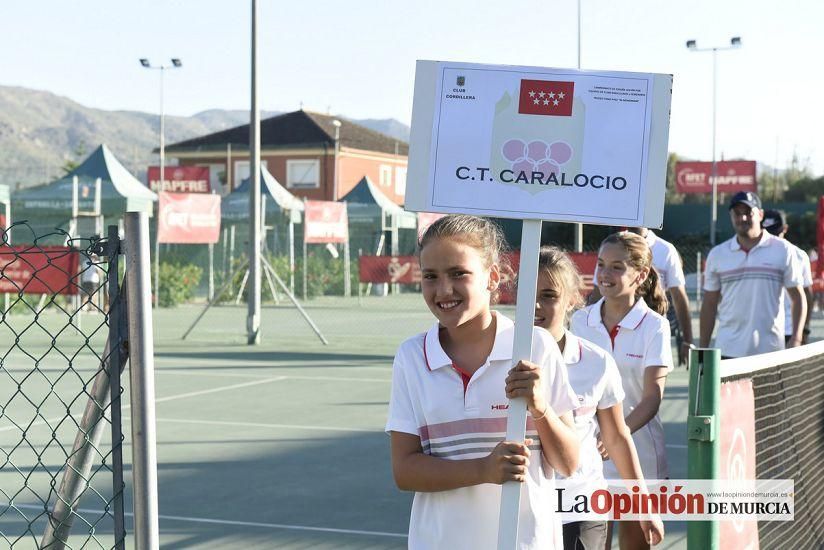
column 299, row 487
column 245, row 354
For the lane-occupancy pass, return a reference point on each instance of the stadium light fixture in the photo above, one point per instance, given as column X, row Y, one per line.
column 176, row 64
column 692, row 45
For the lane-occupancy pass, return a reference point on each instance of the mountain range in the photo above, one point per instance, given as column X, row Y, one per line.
column 41, row 133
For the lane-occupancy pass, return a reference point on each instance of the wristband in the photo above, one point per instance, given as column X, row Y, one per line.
column 542, row 416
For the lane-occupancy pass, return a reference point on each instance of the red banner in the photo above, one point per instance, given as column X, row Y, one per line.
column 180, row 179
column 39, row 270
column 818, row 273
column 188, row 218
column 406, row 270
column 389, row 269
column 585, row 261
column 732, row 176
column 737, row 441
column 325, row 222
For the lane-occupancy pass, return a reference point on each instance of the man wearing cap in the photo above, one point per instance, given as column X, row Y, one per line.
column 775, row 221
column 743, row 282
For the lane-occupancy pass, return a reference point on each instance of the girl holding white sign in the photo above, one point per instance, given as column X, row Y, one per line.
column 449, row 401
column 628, row 321
column 595, row 378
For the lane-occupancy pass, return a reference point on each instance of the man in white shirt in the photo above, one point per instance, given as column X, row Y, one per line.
column 743, row 282
column 775, row 221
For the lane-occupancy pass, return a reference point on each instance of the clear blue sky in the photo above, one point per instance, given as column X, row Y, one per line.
column 357, row 58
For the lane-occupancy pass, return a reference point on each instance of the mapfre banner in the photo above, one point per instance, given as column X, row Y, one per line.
column 325, row 222
column 187, row 218
column 732, row 176
column 179, row 179
column 39, row 270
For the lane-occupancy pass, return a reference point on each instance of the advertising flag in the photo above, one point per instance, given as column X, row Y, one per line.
column 188, row 218
column 325, row 222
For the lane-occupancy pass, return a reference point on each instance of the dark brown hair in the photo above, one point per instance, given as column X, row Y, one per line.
column 640, row 257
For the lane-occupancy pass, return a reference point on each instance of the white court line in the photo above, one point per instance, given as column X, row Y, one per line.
column 285, row 526
column 341, row 378
column 263, row 425
column 260, row 377
column 160, row 400
column 214, row 374
column 239, row 523
column 220, row 389
column 676, row 446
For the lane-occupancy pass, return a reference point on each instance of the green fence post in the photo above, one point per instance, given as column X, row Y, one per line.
column 703, row 425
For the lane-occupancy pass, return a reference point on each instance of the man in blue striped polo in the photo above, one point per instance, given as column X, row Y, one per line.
column 743, row 282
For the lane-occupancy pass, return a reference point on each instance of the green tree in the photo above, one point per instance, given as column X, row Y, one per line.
column 78, row 155
column 805, row 189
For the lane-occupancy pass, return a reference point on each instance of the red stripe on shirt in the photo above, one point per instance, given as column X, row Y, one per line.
column 612, row 334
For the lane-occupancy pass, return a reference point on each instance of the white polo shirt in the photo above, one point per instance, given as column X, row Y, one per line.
column 595, row 379
column 456, row 423
column 666, row 261
column 806, row 282
column 640, row 340
column 750, row 313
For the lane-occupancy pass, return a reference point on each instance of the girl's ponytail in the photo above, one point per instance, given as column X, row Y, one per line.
column 653, row 294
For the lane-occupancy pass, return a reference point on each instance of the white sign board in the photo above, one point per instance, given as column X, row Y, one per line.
column 539, row 143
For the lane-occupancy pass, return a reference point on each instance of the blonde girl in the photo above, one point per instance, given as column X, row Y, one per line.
column 628, row 322
column 594, row 377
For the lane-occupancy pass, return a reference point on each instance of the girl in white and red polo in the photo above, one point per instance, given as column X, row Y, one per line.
column 450, row 392
column 628, row 321
column 599, row 417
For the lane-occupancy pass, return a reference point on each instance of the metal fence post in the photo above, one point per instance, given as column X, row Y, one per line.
column 141, row 361
column 703, row 426
column 699, row 275
column 78, row 470
column 117, row 337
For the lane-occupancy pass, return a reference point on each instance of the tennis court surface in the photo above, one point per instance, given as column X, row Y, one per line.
column 282, row 445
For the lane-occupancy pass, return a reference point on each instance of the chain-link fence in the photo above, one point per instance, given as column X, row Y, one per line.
column 61, row 471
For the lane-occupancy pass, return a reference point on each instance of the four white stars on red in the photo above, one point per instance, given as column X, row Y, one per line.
column 551, row 95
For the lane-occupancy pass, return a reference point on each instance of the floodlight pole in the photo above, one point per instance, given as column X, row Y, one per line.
column 579, row 227
column 253, row 301
column 176, row 64
column 735, row 43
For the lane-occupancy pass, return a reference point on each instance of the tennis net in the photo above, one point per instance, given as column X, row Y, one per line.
column 786, row 389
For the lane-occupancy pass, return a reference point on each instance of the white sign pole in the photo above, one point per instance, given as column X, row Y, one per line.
column 531, row 143
column 521, row 349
